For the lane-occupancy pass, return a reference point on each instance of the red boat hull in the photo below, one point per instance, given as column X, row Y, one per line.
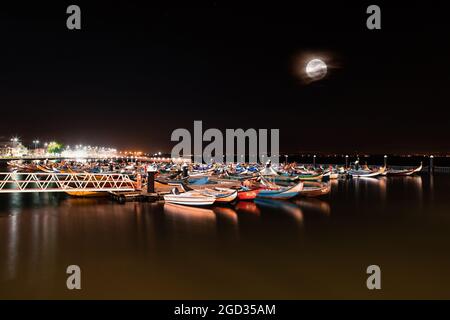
column 248, row 195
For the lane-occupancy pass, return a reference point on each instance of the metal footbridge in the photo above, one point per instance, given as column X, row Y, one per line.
column 21, row 182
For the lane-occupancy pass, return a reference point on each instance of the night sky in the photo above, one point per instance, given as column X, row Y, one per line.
column 134, row 73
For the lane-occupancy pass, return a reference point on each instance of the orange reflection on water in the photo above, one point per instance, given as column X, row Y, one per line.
column 189, row 221
column 226, row 213
column 284, row 207
column 314, row 204
column 187, row 212
column 248, row 207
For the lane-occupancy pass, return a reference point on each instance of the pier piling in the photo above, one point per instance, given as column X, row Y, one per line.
column 151, row 182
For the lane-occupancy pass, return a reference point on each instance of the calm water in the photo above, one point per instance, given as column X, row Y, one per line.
column 307, row 248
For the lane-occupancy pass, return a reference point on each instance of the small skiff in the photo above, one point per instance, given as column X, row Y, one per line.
column 310, row 177
column 283, row 193
column 248, row 194
column 190, row 198
column 315, row 189
column 366, row 173
column 405, row 172
column 222, row 195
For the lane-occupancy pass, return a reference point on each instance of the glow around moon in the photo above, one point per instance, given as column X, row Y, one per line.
column 316, row 69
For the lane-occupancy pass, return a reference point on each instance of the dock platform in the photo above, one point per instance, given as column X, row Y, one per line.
column 141, row 196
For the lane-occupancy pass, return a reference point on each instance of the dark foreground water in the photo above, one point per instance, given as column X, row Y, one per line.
column 308, row 248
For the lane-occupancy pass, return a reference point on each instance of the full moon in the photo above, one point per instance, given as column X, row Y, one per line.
column 316, row 69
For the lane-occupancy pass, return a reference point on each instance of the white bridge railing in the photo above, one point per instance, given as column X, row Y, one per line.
column 11, row 182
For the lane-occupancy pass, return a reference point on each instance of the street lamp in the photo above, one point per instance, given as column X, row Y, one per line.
column 385, row 161
column 15, row 142
column 35, row 142
column 346, row 160
column 286, row 159
column 314, row 161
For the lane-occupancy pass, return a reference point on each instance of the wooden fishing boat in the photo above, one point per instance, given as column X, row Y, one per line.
column 44, row 168
column 198, row 181
column 284, row 178
column 282, row 193
column 248, row 194
column 399, row 173
column 237, row 176
column 310, row 177
column 315, row 189
column 201, row 173
column 222, row 195
column 214, row 184
column 11, row 163
column 330, row 175
column 404, row 172
column 334, row 175
column 189, row 198
column 22, row 166
column 268, row 171
column 419, row 168
column 366, row 173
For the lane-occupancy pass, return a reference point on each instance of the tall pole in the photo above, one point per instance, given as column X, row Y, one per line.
column 346, row 160
column 385, row 161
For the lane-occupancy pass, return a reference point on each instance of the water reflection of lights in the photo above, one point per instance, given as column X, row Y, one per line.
column 416, row 180
column 366, row 179
column 227, row 214
column 12, row 245
column 382, row 187
column 314, row 205
column 417, row 185
column 283, row 206
column 15, row 201
column 186, row 212
column 431, row 184
column 190, row 220
column 248, row 207
column 361, row 184
column 227, row 220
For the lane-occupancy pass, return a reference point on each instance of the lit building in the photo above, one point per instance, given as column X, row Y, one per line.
column 12, row 149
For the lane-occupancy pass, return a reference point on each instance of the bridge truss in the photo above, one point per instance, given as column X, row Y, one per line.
column 19, row 182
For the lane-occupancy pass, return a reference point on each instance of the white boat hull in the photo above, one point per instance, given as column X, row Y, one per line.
column 222, row 195
column 190, row 199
